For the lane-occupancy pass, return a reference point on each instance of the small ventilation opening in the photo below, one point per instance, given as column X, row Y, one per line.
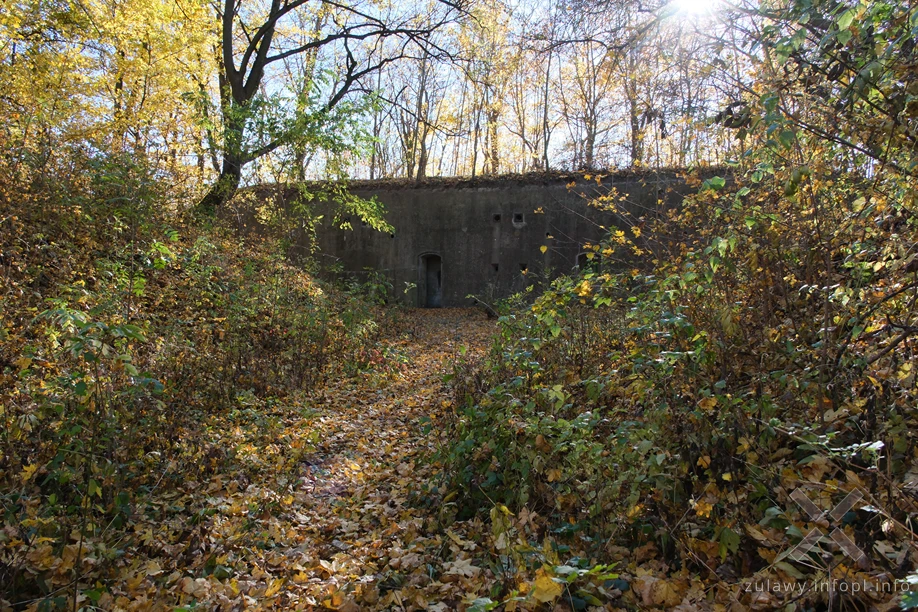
column 495, row 267
column 497, row 217
column 517, row 217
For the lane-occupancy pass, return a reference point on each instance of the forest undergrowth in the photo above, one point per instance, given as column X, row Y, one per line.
column 724, row 423
column 729, row 416
column 727, row 391
column 189, row 421
column 150, row 365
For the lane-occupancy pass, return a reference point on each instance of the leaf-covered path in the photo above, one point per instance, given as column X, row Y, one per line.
column 334, row 522
column 365, row 540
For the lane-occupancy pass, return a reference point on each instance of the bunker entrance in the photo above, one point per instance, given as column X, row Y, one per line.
column 430, row 282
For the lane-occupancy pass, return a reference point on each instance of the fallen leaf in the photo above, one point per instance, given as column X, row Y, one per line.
column 544, row 588
column 461, row 567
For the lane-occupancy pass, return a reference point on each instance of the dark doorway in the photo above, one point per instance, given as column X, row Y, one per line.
column 430, row 282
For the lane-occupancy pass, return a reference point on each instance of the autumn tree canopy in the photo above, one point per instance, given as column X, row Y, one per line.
column 352, row 41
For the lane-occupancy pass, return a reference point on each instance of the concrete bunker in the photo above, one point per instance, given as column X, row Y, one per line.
column 430, row 281
column 488, row 236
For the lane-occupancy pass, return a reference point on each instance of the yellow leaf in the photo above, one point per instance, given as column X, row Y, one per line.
column 554, row 475
column 133, row 583
column 707, row 404
column 466, row 544
column 703, row 508
column 727, row 476
column 543, row 248
column 335, row 601
column 153, row 568
column 301, row 577
column 663, row 594
column 756, row 533
column 23, row 363
column 544, row 589
column 704, row 462
column 275, row 587
column 27, row 472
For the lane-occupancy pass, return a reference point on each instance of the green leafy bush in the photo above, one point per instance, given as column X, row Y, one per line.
column 126, row 337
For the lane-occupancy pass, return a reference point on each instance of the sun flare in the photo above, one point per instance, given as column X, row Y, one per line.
column 693, row 7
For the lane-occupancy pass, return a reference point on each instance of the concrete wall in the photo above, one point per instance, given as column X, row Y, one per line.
column 484, row 234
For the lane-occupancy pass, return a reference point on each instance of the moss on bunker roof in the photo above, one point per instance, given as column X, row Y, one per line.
column 520, row 180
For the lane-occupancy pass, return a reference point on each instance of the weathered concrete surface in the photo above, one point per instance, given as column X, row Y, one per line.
column 459, row 237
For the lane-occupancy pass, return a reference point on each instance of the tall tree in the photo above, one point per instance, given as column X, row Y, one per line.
column 360, row 37
column 586, row 102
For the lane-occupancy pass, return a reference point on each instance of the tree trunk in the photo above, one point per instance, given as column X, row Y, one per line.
column 233, row 160
column 637, row 137
column 546, row 131
column 422, row 153
column 475, row 140
column 588, row 145
column 225, row 188
column 493, row 118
